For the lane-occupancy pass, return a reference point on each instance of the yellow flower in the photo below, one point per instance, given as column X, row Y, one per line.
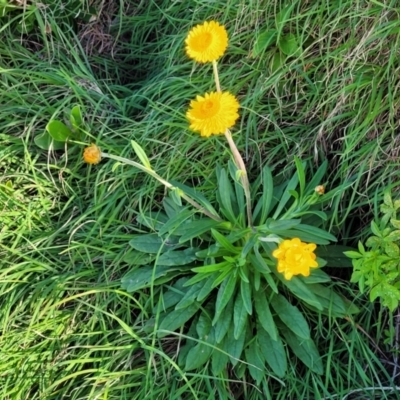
column 92, row 154
column 213, row 114
column 207, row 42
column 320, row 189
column 295, row 257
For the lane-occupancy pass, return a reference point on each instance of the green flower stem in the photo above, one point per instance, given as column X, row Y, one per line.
column 237, row 157
column 163, row 181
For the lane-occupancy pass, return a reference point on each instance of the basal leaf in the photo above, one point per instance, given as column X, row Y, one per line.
column 177, row 318
column 256, row 362
column 305, row 350
column 177, row 257
column 290, row 316
column 142, row 277
column 245, row 291
column 219, row 362
column 264, row 315
column 234, row 347
column 225, row 293
column 273, row 352
column 239, row 316
column 263, row 41
column 224, row 322
column 152, row 243
column 201, row 353
column 289, row 45
column 196, row 228
column 58, row 130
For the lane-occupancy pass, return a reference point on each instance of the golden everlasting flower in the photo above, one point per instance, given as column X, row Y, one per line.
column 295, row 257
column 207, row 42
column 213, row 114
column 92, row 154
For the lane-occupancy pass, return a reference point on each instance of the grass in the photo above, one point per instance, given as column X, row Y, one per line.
column 67, row 329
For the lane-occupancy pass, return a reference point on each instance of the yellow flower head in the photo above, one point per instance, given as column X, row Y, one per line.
column 295, row 257
column 213, row 114
column 206, row 42
column 320, row 189
column 92, row 154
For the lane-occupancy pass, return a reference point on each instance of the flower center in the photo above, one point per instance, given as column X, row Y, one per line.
column 202, row 42
column 209, row 108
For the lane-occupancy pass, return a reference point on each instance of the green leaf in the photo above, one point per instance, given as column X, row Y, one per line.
column 304, row 236
column 225, row 196
column 245, row 290
column 256, row 362
column 258, row 262
column 334, row 255
column 212, row 267
column 152, row 243
column 171, row 208
column 395, row 223
column 301, row 290
column 239, row 317
column 200, row 354
column 175, row 195
column 305, row 350
column 171, row 297
column 240, row 197
column 153, row 220
column 264, row 203
column 290, row 316
column 177, row 223
column 76, row 117
column 387, row 199
column 224, row 322
column 316, row 276
column 375, row 229
column 173, row 258
column 234, row 347
column 301, row 174
column 58, row 130
column 333, row 303
column 291, row 185
column 317, row 177
column 282, row 225
column 141, row 154
column 263, row 41
column 204, row 326
column 284, row 15
column 224, row 242
column 219, row 362
column 391, row 249
column 277, row 61
column 289, row 45
column 195, row 195
column 264, row 315
column 190, row 296
column 225, row 293
column 393, row 236
column 273, row 352
column 207, row 288
column 176, row 319
column 45, row 142
column 196, row 228
column 316, row 231
column 133, row 257
column 142, row 277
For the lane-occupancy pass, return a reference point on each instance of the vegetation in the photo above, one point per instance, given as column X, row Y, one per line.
column 316, row 82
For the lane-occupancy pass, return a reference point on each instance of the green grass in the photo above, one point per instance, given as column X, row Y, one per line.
column 67, row 330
